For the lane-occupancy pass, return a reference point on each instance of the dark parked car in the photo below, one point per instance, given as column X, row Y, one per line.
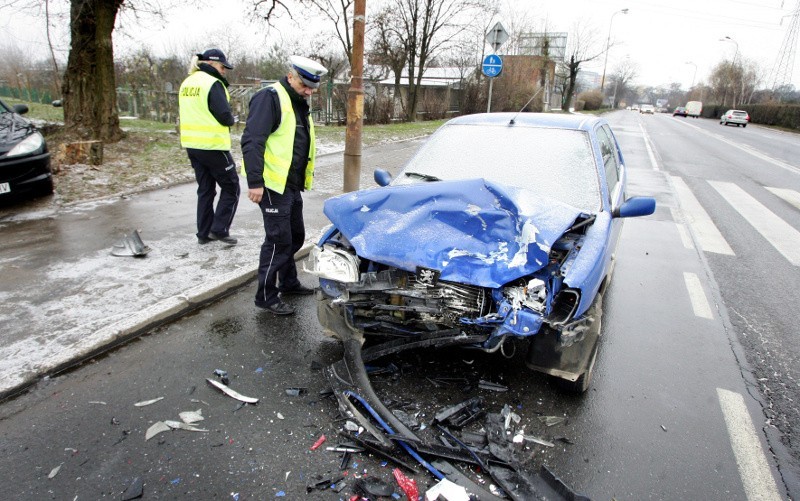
column 24, row 159
column 680, row 111
column 501, row 226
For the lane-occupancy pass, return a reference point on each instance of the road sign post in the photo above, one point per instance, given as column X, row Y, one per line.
column 492, row 64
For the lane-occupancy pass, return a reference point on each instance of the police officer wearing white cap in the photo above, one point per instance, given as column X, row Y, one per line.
column 205, row 120
column 278, row 149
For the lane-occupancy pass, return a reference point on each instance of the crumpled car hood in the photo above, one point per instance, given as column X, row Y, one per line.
column 472, row 231
column 13, row 129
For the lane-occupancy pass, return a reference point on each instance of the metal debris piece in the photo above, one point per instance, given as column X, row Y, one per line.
column 192, row 416
column 130, row 245
column 179, row 425
column 147, row 402
column 134, row 491
column 54, row 472
column 155, row 429
column 488, row 385
column 552, row 420
column 233, row 394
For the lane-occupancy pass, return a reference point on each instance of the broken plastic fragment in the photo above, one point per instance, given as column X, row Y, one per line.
column 231, row 393
column 295, row 392
column 222, row 375
column 54, row 472
column 447, row 490
column 280, row 416
column 537, row 440
column 552, row 420
column 155, row 429
column 134, row 491
column 191, row 416
column 319, row 442
column 178, row 425
column 147, row 402
column 408, row 485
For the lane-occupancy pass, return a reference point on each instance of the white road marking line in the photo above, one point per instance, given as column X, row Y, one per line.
column 790, row 196
column 649, row 149
column 708, row 236
column 778, row 232
column 753, row 468
column 697, row 296
column 755, row 153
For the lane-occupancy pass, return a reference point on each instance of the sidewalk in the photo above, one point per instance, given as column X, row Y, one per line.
column 65, row 299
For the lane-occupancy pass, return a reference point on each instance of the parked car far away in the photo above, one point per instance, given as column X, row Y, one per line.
column 680, row 111
column 736, row 117
column 24, row 158
column 647, row 108
column 502, row 226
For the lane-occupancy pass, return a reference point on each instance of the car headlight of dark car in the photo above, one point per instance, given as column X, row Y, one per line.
column 33, row 144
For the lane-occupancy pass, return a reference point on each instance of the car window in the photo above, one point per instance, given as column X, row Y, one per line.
column 558, row 163
column 610, row 158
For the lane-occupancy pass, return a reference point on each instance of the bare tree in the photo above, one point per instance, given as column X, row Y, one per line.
column 622, row 76
column 582, row 47
column 340, row 13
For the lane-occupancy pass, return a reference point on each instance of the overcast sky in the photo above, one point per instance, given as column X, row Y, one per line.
column 659, row 36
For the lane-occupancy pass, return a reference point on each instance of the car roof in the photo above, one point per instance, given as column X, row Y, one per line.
column 555, row 120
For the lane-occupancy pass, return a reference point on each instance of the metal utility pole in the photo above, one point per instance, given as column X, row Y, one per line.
column 608, row 45
column 355, row 102
column 784, row 63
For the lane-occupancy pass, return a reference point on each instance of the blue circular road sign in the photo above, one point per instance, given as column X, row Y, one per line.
column 492, row 65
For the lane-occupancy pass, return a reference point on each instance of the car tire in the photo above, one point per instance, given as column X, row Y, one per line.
column 44, row 189
column 744, row 125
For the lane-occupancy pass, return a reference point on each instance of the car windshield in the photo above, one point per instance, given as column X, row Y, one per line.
column 552, row 162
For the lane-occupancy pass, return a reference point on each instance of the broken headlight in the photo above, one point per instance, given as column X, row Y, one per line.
column 332, row 263
column 532, row 295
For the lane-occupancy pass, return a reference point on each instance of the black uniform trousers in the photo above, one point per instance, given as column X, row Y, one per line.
column 285, row 233
column 212, row 168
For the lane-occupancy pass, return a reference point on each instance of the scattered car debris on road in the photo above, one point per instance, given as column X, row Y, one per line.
column 231, row 393
column 131, row 245
column 144, row 403
column 134, row 491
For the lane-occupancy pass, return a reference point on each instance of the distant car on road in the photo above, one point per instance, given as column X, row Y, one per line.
column 680, row 111
column 694, row 109
column 736, row 117
column 24, row 158
column 647, row 108
column 503, row 226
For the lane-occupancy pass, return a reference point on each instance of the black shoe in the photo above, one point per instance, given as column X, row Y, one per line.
column 279, row 308
column 300, row 290
column 226, row 239
column 203, row 240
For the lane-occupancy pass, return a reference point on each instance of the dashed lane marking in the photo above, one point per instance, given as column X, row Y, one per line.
column 708, row 236
column 753, row 468
column 697, row 296
column 775, row 230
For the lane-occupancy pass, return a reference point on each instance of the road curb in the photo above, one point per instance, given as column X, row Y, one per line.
column 81, row 347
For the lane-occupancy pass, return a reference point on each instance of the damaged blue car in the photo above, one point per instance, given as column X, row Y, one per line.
column 502, row 226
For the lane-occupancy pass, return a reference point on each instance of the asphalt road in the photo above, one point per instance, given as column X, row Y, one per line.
column 678, row 408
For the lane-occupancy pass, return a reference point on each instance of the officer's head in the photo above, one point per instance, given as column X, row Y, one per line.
column 215, row 58
column 305, row 75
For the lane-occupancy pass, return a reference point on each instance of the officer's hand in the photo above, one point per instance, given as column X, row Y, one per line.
column 255, row 194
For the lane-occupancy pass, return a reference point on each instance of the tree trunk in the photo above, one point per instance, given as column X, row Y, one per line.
column 89, row 89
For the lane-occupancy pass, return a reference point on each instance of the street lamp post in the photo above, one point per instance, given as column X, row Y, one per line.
column 608, row 43
column 735, row 54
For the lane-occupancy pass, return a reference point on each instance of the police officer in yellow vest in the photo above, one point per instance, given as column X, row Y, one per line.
column 205, row 120
column 279, row 149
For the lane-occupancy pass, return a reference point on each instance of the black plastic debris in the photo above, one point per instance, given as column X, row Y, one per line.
column 222, row 375
column 131, row 245
column 320, row 484
column 134, row 491
column 373, row 486
column 461, row 414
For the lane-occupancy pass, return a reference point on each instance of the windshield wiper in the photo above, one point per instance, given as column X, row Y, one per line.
column 424, row 177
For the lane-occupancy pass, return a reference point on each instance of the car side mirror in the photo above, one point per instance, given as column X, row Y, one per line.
column 382, row 177
column 20, row 109
column 636, row 206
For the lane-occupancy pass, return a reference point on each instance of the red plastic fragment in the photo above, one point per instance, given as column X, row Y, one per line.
column 408, row 485
column 319, row 442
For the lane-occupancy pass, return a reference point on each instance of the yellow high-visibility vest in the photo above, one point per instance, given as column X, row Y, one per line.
column 199, row 128
column 280, row 146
